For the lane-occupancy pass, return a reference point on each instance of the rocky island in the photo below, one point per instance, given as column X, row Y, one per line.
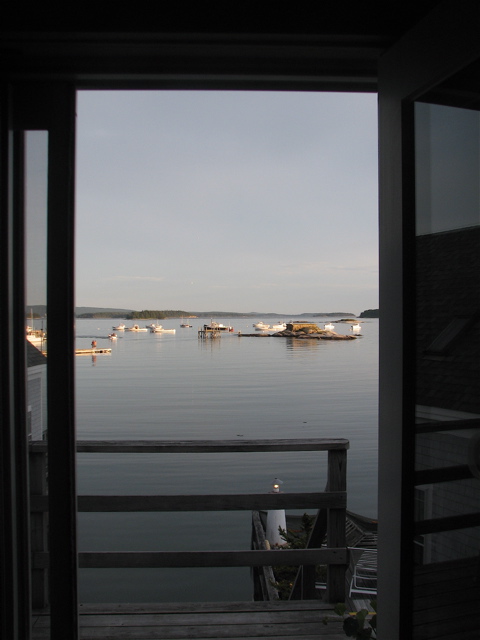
column 304, row 331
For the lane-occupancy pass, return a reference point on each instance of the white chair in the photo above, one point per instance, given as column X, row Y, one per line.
column 363, row 566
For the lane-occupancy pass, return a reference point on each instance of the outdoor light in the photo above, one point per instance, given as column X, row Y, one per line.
column 276, row 485
column 276, row 520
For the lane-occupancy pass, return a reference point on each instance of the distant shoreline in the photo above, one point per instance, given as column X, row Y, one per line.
column 39, row 311
column 161, row 314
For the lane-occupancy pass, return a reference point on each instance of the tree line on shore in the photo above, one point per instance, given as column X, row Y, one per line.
column 162, row 314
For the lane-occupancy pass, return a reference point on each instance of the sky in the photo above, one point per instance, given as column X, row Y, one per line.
column 227, row 201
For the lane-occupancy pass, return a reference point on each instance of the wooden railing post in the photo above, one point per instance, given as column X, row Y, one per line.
column 336, row 531
column 265, row 576
column 331, row 505
column 39, row 528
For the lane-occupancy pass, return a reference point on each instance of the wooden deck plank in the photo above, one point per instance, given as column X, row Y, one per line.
column 196, row 619
column 301, row 620
column 189, row 607
column 234, row 631
column 153, row 634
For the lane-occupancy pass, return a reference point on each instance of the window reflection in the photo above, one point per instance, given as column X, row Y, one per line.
column 36, row 150
column 35, row 185
column 447, row 262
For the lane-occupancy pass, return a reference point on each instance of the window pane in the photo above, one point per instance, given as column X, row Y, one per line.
column 447, row 323
column 36, row 160
column 36, row 175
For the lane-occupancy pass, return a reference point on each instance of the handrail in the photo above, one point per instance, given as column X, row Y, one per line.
column 335, row 555
column 203, row 446
column 239, row 558
column 201, row 502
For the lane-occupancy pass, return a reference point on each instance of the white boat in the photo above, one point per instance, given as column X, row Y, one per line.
column 356, row 327
column 159, row 329
column 217, row 326
column 136, row 328
column 329, row 326
column 121, row 327
column 112, row 336
column 36, row 336
column 185, row 325
column 279, row 327
column 261, row 326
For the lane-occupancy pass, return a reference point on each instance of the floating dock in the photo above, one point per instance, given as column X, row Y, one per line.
column 91, row 352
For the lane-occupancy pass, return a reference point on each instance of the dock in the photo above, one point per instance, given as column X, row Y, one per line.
column 91, row 352
column 213, row 330
column 208, row 332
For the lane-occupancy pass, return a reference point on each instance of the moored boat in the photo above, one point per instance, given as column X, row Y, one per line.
column 261, row 326
column 217, row 326
column 157, row 328
column 36, row 336
column 136, row 328
column 120, row 327
column 94, row 351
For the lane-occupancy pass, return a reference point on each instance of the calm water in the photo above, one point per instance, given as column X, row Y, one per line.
column 163, row 386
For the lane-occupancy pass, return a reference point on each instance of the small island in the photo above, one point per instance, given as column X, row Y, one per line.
column 370, row 313
column 303, row 331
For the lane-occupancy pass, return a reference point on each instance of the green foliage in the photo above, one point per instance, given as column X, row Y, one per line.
column 355, row 625
column 298, row 539
column 101, row 314
column 370, row 313
column 147, row 314
column 284, row 581
column 294, row 539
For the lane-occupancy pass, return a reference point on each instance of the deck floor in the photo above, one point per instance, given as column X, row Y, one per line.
column 299, row 620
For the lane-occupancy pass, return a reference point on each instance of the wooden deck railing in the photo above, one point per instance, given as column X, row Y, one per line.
column 333, row 501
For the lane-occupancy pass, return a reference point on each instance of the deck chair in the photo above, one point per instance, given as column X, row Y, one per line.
column 363, row 566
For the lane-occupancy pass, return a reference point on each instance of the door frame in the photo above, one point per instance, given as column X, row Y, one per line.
column 47, row 107
column 442, row 44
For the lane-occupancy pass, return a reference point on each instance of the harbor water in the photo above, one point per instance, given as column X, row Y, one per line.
column 177, row 387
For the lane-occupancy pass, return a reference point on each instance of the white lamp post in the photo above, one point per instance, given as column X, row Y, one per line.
column 275, row 519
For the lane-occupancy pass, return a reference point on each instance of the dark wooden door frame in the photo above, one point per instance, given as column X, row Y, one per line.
column 439, row 46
